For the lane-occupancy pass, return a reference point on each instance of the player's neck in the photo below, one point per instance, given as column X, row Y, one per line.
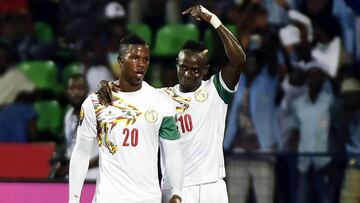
column 125, row 86
column 187, row 89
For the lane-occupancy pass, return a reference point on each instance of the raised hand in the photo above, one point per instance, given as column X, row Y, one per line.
column 199, row 12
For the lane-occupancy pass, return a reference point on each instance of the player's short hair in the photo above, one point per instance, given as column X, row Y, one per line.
column 130, row 39
column 195, row 46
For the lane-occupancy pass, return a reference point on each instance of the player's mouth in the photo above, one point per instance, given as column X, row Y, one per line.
column 140, row 74
column 188, row 80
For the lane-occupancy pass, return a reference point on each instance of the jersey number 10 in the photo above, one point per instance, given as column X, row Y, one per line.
column 185, row 123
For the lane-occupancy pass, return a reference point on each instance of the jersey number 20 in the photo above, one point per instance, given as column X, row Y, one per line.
column 133, row 135
column 185, row 123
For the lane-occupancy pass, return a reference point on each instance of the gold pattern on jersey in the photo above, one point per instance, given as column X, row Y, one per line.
column 201, row 95
column 183, row 101
column 151, row 116
column 108, row 117
column 82, row 114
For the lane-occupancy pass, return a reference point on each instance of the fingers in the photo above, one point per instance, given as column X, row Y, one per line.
column 109, row 94
column 187, row 10
column 104, row 93
column 192, row 10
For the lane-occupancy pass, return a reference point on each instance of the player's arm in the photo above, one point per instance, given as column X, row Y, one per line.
column 79, row 163
column 233, row 50
column 80, row 157
column 174, row 167
column 172, row 156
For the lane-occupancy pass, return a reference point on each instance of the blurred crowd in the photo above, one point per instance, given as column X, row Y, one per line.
column 293, row 129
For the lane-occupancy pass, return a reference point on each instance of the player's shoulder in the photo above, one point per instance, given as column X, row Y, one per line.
column 155, row 93
column 91, row 100
column 168, row 91
column 162, row 95
column 148, row 89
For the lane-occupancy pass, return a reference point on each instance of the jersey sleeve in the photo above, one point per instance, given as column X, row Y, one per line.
column 87, row 121
column 168, row 129
column 224, row 92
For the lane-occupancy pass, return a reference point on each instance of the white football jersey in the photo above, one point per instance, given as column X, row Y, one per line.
column 201, row 122
column 128, row 133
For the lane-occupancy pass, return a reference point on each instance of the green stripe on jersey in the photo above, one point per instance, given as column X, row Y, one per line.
column 168, row 129
column 223, row 93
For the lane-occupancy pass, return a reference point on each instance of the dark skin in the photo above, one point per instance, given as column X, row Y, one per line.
column 192, row 66
column 133, row 67
column 134, row 64
column 77, row 91
column 315, row 82
column 233, row 50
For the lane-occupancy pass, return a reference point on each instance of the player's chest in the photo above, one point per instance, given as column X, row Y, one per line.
column 190, row 116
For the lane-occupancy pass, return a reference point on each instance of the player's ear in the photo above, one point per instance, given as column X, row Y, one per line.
column 205, row 71
column 120, row 59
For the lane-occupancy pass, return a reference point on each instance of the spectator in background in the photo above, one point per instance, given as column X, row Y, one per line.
column 115, row 22
column 311, row 124
column 255, row 168
column 251, row 117
column 13, row 82
column 91, row 54
column 18, row 119
column 154, row 13
column 81, row 18
column 329, row 49
column 346, row 126
column 315, row 9
column 20, row 31
column 77, row 91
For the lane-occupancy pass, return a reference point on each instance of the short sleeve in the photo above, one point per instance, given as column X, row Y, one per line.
column 87, row 121
column 224, row 92
column 168, row 129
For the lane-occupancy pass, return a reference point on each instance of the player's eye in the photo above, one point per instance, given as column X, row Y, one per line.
column 182, row 67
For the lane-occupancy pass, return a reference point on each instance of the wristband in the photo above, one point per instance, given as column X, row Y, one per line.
column 215, row 21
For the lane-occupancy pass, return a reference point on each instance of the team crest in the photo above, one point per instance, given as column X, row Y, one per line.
column 151, row 116
column 201, row 95
column 82, row 114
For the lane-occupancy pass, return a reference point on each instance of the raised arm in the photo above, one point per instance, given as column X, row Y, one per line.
column 233, row 50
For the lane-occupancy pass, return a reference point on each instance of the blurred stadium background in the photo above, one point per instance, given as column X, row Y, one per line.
column 293, row 130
